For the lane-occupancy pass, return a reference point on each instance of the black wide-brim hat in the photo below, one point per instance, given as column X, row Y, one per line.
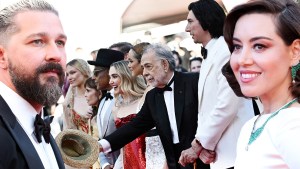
column 105, row 57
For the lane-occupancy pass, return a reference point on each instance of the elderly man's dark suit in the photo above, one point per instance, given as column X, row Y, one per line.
column 16, row 149
column 154, row 114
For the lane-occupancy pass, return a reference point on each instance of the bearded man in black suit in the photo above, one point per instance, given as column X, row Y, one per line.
column 171, row 107
column 32, row 63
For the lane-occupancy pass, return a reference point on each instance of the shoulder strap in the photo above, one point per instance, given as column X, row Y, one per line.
column 255, row 107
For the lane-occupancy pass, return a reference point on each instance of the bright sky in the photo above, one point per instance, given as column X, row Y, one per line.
column 89, row 24
column 94, row 24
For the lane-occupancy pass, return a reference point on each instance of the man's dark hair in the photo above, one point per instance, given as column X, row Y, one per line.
column 122, row 46
column 210, row 15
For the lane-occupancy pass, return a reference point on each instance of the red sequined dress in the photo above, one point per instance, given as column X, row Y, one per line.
column 134, row 152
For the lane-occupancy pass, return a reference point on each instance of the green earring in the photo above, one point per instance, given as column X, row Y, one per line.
column 294, row 70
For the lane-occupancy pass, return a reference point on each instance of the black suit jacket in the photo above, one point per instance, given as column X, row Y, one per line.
column 16, row 148
column 154, row 114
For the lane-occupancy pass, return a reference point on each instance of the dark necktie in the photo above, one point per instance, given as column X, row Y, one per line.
column 42, row 128
column 167, row 87
column 203, row 52
column 108, row 96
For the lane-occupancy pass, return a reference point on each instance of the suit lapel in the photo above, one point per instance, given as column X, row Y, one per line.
column 107, row 120
column 32, row 158
column 206, row 66
column 178, row 99
column 99, row 124
column 57, row 154
column 202, row 78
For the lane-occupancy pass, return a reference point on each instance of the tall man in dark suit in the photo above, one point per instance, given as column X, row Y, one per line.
column 171, row 107
column 32, row 63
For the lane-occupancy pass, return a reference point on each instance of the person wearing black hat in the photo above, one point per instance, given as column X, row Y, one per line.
column 123, row 47
column 105, row 120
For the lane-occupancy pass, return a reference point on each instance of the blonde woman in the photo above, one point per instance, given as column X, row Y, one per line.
column 128, row 91
column 77, row 112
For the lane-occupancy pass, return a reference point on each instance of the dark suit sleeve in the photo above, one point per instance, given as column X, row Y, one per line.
column 138, row 126
column 9, row 151
column 195, row 79
column 192, row 79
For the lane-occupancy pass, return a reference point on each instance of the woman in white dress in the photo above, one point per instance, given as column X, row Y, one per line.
column 155, row 155
column 264, row 38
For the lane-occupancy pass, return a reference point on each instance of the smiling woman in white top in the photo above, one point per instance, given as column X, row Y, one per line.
column 264, row 39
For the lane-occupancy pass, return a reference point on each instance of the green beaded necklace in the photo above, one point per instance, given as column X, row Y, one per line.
column 255, row 134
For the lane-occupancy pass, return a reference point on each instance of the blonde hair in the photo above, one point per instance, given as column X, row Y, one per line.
column 131, row 86
column 82, row 66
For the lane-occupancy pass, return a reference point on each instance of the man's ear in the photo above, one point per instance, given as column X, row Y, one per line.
column 166, row 65
column 295, row 56
column 3, row 58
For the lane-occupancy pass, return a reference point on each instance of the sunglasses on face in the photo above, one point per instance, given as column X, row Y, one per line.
column 97, row 72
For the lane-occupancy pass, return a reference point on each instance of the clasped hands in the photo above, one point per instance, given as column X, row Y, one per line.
column 196, row 151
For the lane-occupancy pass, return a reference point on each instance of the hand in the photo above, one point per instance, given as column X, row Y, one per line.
column 196, row 145
column 207, row 156
column 89, row 113
column 100, row 148
column 187, row 156
column 109, row 167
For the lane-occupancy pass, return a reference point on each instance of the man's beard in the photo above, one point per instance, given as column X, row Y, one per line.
column 30, row 87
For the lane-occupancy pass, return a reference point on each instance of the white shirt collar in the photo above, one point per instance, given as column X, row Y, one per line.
column 210, row 44
column 23, row 110
column 111, row 91
column 171, row 85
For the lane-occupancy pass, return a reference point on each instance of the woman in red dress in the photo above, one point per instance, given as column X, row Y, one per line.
column 128, row 90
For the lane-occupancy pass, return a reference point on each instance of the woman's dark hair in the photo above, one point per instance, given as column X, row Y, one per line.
column 178, row 57
column 124, row 47
column 138, row 50
column 90, row 82
column 287, row 23
column 210, row 15
column 194, row 59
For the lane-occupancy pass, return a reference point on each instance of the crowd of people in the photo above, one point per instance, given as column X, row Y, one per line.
column 139, row 102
